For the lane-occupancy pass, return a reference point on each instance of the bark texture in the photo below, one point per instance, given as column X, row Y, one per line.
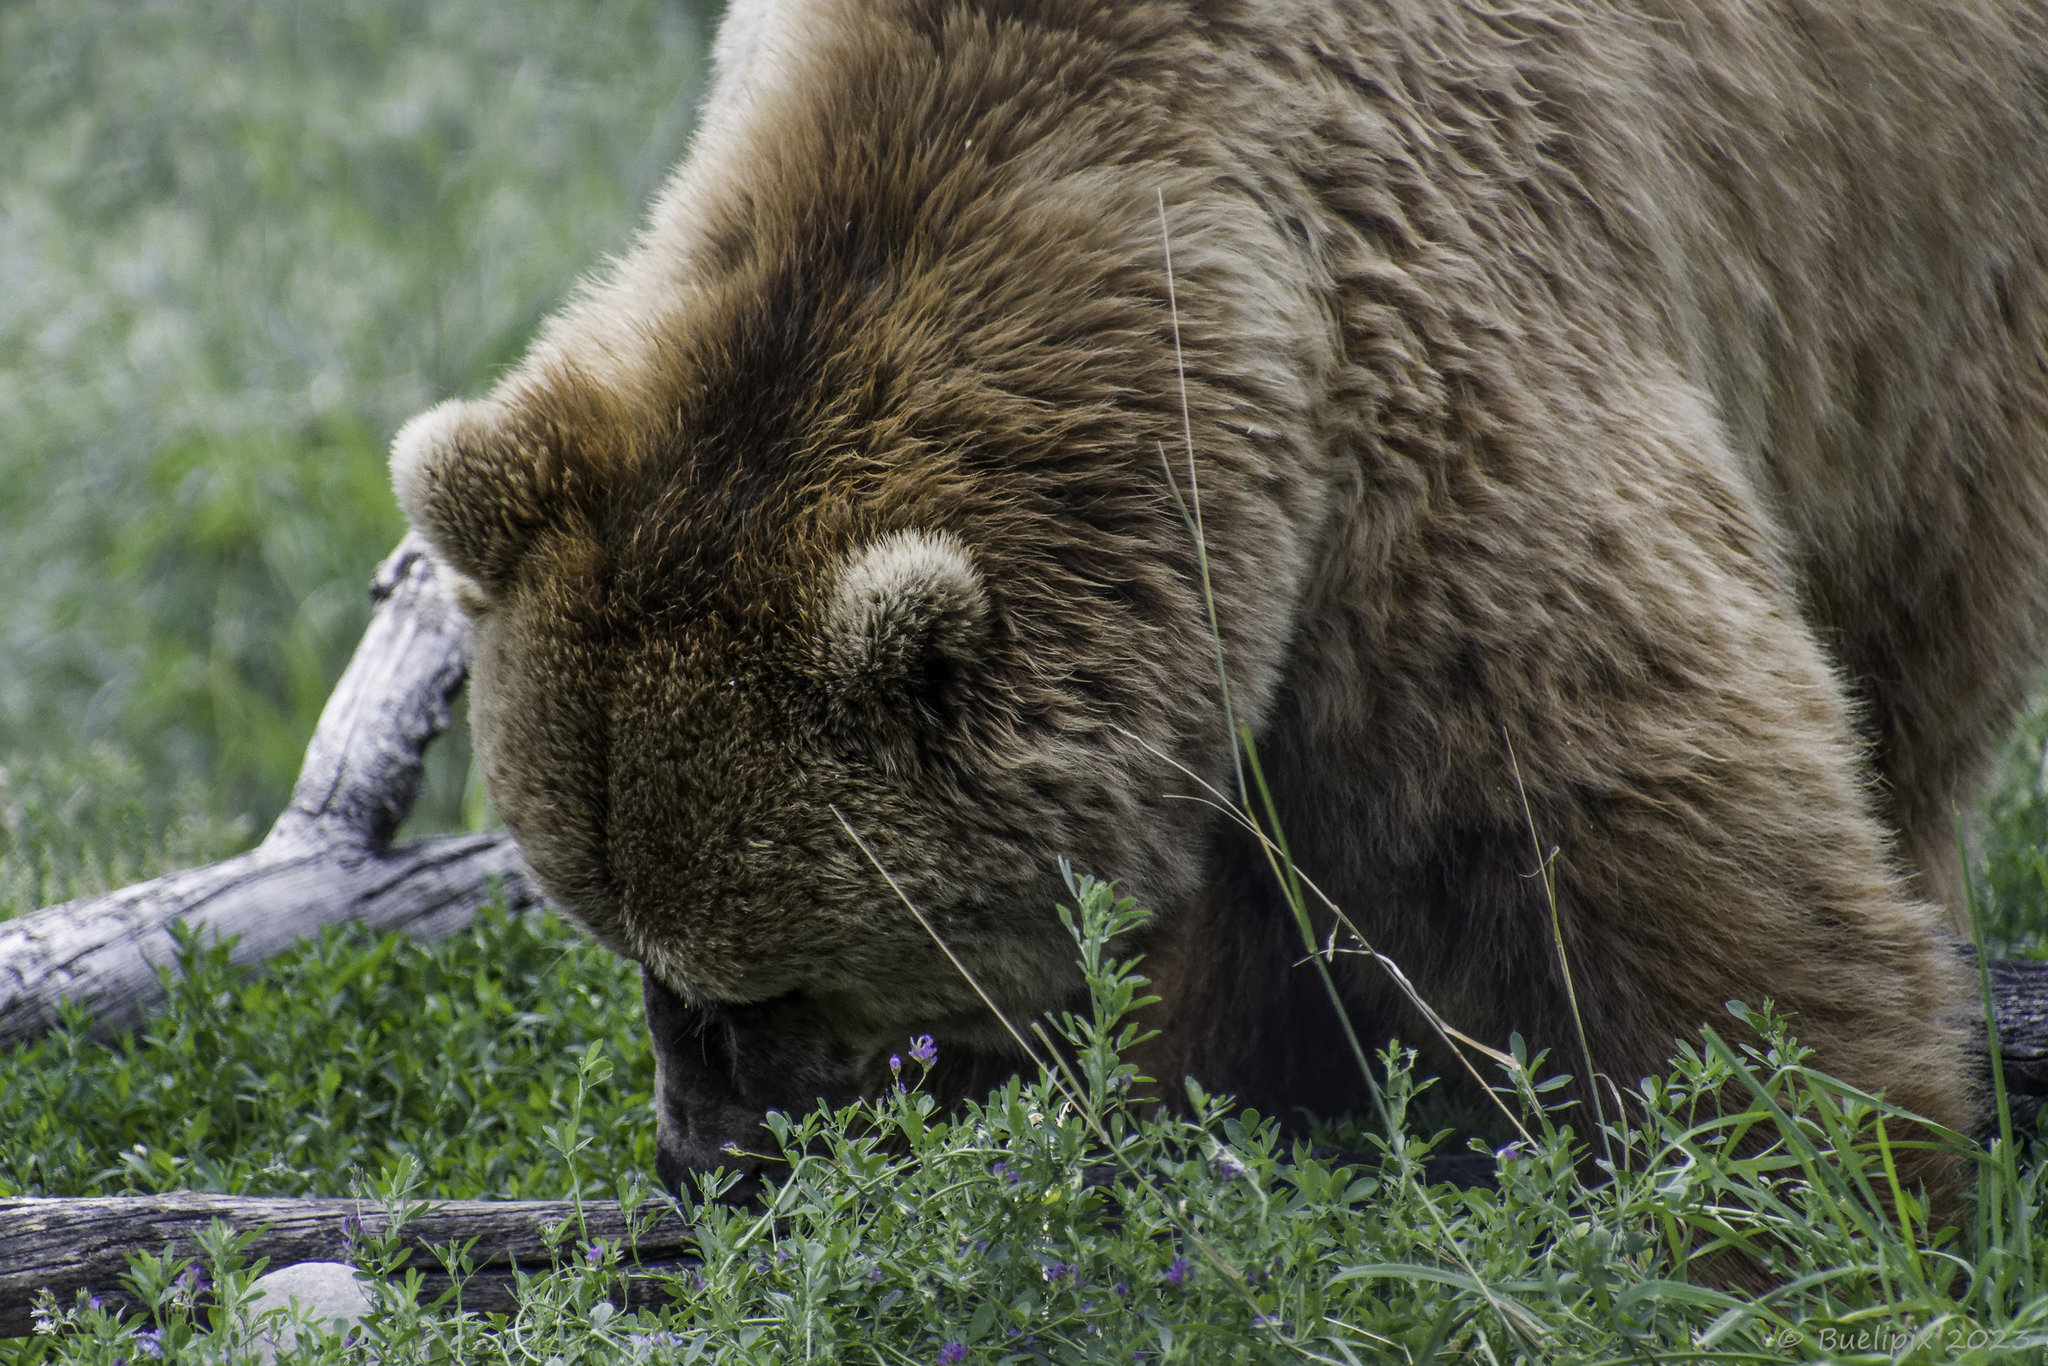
column 73, row 1245
column 2019, row 995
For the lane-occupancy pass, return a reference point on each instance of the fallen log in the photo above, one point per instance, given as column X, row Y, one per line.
column 73, row 1245
column 329, row 858
column 2019, row 996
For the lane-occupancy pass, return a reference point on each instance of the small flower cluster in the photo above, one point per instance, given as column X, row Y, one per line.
column 191, row 1284
column 923, row 1052
column 1226, row 1165
column 644, row 1345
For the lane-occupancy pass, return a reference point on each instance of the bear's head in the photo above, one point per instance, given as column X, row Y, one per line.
column 745, row 704
column 695, row 702
column 824, row 563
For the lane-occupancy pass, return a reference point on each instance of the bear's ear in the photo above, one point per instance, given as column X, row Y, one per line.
column 471, row 486
column 903, row 612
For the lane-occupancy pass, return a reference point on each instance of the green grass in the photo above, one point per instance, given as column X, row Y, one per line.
column 2011, row 854
column 904, row 1232
column 240, row 242
column 349, row 1054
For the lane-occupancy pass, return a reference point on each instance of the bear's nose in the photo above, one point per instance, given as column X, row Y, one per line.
column 679, row 1166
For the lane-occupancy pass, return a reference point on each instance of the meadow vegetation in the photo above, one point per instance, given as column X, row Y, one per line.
column 239, row 244
column 1053, row 1221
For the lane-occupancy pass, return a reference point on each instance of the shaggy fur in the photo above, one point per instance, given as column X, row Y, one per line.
column 1619, row 428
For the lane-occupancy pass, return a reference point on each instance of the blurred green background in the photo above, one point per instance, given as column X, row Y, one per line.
column 241, row 241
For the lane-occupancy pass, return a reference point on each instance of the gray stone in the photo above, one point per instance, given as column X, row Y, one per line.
column 327, row 1292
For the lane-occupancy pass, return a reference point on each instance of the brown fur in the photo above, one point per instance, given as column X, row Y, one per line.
column 1653, row 392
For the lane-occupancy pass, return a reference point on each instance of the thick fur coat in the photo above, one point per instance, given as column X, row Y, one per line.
column 1619, row 432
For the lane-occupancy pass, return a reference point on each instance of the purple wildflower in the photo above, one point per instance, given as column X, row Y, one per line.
column 952, row 1354
column 1177, row 1274
column 659, row 1338
column 351, row 1232
column 149, row 1342
column 92, row 1301
column 594, row 1253
column 895, row 1065
column 1270, row 1321
column 1006, row 1171
column 1120, row 1290
column 193, row 1280
column 1059, row 1271
column 874, row 1273
column 1141, row 1355
column 1228, row 1167
column 923, row 1051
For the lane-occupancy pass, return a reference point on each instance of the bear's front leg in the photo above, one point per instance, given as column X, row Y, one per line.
column 1574, row 717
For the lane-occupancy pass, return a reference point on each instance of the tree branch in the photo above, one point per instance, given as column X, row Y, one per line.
column 329, row 858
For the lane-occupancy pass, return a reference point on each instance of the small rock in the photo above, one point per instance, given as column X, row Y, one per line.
column 328, row 1292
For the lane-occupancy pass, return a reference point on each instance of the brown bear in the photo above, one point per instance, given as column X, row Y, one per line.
column 1617, row 428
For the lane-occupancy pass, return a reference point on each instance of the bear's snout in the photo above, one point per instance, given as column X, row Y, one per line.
column 719, row 1070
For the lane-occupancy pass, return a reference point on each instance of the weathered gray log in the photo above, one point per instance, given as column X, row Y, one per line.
column 2019, row 995
column 329, row 858
column 73, row 1245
